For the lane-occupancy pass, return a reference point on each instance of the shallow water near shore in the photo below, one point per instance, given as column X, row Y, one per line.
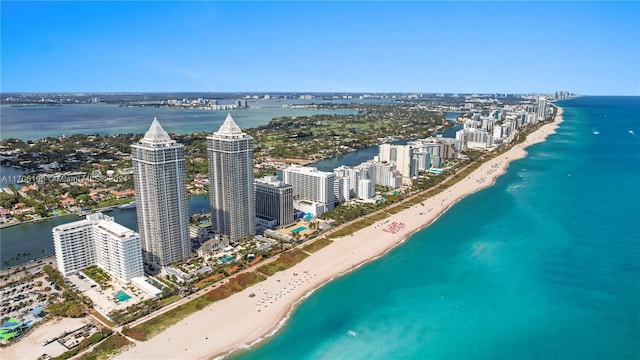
column 544, row 264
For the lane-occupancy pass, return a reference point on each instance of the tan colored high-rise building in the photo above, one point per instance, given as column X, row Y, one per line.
column 161, row 197
column 230, row 156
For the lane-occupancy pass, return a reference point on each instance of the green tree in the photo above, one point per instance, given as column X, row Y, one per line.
column 75, row 310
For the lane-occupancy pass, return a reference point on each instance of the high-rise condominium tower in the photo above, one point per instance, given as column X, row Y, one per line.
column 274, row 200
column 542, row 108
column 161, row 197
column 233, row 209
column 98, row 240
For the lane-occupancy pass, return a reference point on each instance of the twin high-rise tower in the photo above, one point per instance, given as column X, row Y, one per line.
column 161, row 193
column 161, row 197
column 230, row 154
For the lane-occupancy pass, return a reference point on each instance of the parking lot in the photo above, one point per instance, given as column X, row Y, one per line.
column 15, row 273
column 19, row 299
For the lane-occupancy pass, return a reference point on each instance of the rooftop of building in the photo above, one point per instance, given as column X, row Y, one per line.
column 306, row 170
column 272, row 180
column 102, row 221
column 71, row 225
column 115, row 229
column 156, row 136
column 229, row 130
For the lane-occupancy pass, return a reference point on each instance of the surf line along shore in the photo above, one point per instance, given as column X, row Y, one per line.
column 240, row 321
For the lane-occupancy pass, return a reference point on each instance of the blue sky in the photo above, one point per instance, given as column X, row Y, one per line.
column 485, row 47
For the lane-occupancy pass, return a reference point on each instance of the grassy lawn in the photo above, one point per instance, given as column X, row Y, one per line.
column 113, row 202
column 285, row 261
column 98, row 275
column 348, row 230
column 381, row 216
column 317, row 245
column 102, row 318
column 413, row 201
column 169, row 300
column 108, row 348
column 396, row 209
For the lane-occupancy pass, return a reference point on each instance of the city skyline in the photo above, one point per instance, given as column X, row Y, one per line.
column 428, row 47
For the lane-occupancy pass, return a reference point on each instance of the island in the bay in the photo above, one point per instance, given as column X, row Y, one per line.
column 267, row 241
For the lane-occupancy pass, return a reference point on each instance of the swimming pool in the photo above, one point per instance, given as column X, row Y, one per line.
column 122, row 296
column 298, row 229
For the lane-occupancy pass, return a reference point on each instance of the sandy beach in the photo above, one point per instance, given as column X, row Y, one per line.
column 241, row 320
column 31, row 346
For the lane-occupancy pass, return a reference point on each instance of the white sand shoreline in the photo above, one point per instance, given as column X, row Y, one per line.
column 240, row 321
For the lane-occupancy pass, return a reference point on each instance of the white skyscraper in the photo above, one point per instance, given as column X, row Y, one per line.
column 310, row 185
column 385, row 174
column 230, row 154
column 73, row 245
column 98, row 240
column 542, row 108
column 349, row 184
column 401, row 156
column 365, row 189
column 118, row 250
column 161, row 197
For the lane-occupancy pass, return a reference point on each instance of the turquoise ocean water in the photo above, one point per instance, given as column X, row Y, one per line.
column 543, row 265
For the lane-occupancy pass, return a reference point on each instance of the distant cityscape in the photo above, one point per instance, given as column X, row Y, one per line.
column 225, row 101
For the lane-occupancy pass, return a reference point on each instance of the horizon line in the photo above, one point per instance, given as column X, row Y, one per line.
column 304, row 92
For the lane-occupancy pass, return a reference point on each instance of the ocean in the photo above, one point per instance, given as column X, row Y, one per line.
column 543, row 265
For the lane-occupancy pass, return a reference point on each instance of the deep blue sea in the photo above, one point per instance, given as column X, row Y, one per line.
column 543, row 265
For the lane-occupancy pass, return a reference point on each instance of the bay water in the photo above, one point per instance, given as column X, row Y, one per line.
column 36, row 122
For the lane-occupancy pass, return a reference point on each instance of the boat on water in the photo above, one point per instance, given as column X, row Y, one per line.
column 128, row 205
column 596, row 132
column 353, row 333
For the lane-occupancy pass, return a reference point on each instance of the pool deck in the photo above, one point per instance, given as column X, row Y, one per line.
column 122, row 296
column 299, row 229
